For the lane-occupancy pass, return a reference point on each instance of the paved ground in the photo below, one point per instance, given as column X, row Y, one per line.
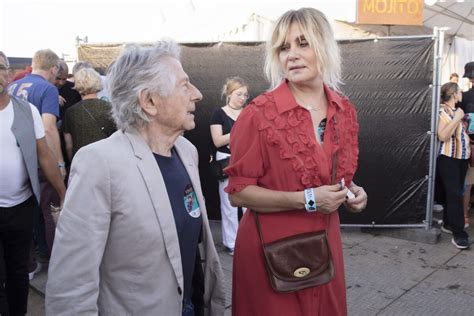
column 384, row 276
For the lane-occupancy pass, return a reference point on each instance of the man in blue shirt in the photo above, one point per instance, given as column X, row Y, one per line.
column 38, row 89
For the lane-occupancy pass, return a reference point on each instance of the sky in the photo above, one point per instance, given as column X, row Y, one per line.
column 29, row 25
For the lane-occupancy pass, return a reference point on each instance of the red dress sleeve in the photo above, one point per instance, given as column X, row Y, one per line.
column 246, row 161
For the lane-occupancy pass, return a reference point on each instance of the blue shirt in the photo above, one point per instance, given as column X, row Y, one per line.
column 186, row 211
column 38, row 91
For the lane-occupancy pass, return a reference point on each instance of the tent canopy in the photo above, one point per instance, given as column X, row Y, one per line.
column 457, row 16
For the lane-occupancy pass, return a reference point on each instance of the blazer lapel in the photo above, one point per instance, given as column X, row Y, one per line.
column 153, row 179
column 186, row 159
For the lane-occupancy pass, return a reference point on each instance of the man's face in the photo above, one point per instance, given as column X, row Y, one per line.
column 61, row 78
column 3, row 76
column 176, row 111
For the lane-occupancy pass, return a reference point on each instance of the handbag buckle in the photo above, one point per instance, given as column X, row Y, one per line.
column 301, row 272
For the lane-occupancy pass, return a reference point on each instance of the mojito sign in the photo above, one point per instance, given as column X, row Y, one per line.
column 390, row 12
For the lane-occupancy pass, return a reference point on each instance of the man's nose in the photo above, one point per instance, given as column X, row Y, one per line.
column 197, row 96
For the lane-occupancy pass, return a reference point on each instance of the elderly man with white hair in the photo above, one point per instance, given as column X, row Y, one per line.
column 133, row 237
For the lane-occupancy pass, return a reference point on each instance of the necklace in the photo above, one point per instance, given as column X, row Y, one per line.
column 452, row 108
column 311, row 108
column 236, row 109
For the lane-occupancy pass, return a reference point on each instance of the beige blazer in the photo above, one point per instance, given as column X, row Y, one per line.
column 116, row 250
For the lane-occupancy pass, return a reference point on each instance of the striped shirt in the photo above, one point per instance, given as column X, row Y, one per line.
column 457, row 146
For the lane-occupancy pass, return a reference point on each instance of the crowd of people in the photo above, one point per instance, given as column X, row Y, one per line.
column 133, row 236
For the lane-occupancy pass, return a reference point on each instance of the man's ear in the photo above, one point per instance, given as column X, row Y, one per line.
column 148, row 104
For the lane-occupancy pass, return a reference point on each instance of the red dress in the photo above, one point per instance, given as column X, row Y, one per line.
column 274, row 146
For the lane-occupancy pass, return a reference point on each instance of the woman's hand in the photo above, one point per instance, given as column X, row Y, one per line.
column 447, row 129
column 329, row 198
column 358, row 203
column 459, row 114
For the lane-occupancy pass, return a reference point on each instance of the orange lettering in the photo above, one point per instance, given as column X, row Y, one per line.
column 413, row 7
column 368, row 6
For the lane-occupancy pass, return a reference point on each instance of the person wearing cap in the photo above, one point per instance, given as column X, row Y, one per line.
column 467, row 104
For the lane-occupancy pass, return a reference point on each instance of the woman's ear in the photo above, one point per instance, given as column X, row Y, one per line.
column 148, row 104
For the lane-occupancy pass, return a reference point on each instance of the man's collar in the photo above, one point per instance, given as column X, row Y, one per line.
column 285, row 100
column 39, row 74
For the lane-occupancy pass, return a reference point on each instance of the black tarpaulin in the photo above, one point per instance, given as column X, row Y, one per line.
column 389, row 82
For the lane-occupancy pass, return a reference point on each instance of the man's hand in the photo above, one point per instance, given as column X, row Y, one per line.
column 62, row 101
column 50, row 168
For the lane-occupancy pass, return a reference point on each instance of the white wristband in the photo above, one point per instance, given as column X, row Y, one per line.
column 310, row 204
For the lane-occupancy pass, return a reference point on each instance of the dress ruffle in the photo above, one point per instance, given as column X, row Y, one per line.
column 287, row 132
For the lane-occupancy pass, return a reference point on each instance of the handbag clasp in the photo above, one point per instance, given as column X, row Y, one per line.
column 301, row 272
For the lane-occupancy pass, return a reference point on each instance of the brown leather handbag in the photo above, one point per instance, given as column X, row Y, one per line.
column 300, row 261
column 297, row 262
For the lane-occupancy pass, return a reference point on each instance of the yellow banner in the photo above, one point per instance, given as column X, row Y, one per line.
column 390, row 12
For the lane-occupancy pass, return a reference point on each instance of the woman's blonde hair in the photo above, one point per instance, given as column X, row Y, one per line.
column 231, row 85
column 87, row 81
column 318, row 32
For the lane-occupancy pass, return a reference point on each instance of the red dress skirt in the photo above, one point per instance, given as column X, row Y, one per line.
column 274, row 146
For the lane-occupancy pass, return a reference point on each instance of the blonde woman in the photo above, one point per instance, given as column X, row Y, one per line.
column 235, row 91
column 285, row 146
column 88, row 120
column 452, row 162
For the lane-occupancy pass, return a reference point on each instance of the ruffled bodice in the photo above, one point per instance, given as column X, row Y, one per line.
column 282, row 139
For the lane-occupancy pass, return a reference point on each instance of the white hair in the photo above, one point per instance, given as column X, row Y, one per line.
column 87, row 81
column 139, row 69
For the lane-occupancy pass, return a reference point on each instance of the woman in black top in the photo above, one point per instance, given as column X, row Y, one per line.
column 222, row 119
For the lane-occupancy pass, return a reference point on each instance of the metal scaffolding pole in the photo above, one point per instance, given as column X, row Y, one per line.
column 438, row 36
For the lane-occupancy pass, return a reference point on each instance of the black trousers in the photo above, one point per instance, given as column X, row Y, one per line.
column 453, row 173
column 16, row 230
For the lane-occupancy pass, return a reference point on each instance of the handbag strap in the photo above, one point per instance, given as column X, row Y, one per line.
column 257, row 223
column 334, row 167
column 102, row 128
